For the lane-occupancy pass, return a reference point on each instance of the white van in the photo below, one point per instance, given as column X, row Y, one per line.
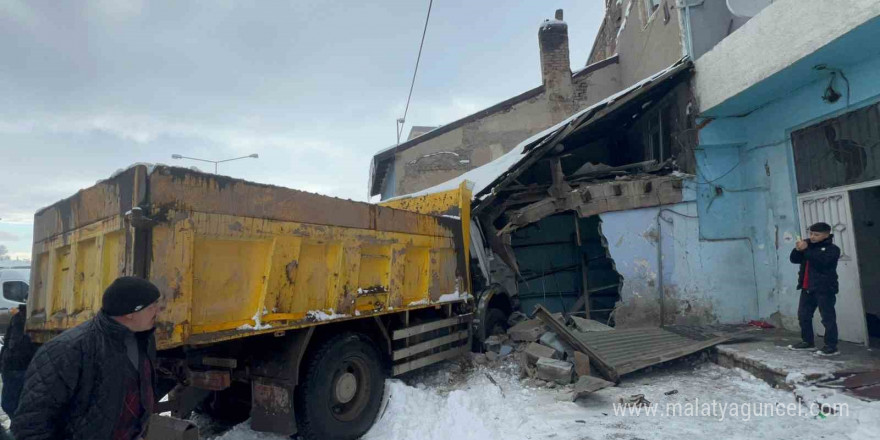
column 14, row 286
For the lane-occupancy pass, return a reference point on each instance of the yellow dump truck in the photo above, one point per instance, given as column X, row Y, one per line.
column 289, row 306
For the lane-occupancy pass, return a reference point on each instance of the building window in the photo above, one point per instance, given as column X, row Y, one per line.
column 656, row 136
column 651, row 6
column 839, row 151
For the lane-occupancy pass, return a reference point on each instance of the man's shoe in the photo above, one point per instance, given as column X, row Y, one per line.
column 828, row 351
column 802, row 346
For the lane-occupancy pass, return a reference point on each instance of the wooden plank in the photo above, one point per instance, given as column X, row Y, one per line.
column 862, row 380
column 601, row 364
column 428, row 360
column 584, row 300
column 430, row 326
column 433, row 343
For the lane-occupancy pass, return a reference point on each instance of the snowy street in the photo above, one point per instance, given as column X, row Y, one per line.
column 459, row 401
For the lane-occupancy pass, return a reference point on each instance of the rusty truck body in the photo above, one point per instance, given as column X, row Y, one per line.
column 293, row 305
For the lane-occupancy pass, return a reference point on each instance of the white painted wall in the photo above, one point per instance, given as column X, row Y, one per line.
column 776, row 38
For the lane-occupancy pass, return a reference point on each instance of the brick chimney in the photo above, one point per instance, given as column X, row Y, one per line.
column 555, row 63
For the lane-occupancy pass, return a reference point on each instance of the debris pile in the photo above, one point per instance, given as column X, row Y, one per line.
column 544, row 358
column 584, row 355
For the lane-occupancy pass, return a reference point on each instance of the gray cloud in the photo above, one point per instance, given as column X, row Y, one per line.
column 313, row 87
column 6, row 236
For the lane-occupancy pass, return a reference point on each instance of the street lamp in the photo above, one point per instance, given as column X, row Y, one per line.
column 215, row 162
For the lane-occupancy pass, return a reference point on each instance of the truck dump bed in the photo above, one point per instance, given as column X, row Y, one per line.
column 235, row 258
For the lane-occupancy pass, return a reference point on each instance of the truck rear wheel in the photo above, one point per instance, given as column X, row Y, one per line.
column 342, row 389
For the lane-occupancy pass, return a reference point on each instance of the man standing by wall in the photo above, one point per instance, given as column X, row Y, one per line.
column 96, row 381
column 817, row 281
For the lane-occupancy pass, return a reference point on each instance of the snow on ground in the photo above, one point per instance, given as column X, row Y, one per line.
column 446, row 403
column 800, row 364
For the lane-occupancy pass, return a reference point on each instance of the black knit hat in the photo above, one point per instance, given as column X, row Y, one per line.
column 820, row 227
column 128, row 295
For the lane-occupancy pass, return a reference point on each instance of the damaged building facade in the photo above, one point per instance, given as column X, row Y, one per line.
column 791, row 136
column 427, row 159
column 648, row 207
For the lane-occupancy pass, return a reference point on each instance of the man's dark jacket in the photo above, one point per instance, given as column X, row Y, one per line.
column 74, row 385
column 18, row 350
column 823, row 258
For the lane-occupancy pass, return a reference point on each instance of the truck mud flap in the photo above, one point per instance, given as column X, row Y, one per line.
column 428, row 343
column 272, row 406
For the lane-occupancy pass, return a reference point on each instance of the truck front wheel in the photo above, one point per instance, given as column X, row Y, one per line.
column 342, row 388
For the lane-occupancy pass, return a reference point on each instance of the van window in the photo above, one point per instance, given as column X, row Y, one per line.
column 15, row 291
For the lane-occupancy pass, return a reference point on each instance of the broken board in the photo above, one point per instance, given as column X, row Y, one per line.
column 623, row 351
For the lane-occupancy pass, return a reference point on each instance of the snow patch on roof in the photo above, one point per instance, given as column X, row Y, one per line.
column 623, row 23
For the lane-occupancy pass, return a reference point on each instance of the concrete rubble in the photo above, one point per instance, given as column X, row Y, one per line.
column 581, row 364
column 587, row 385
column 527, row 331
column 551, row 340
column 555, row 370
column 535, row 351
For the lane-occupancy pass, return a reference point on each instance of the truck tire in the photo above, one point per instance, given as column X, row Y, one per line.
column 342, row 389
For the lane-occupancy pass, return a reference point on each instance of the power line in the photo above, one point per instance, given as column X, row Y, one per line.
column 402, row 120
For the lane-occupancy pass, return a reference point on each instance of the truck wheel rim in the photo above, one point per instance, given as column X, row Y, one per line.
column 350, row 389
column 346, row 387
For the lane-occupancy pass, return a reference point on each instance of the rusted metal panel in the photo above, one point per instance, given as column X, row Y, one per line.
column 428, row 345
column 431, row 326
column 629, row 350
column 214, row 380
column 622, row 351
column 183, row 190
column 862, row 379
column 428, row 360
column 451, row 338
column 272, row 407
column 108, row 198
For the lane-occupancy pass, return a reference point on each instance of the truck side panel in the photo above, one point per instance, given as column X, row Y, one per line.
column 240, row 274
column 81, row 244
column 235, row 258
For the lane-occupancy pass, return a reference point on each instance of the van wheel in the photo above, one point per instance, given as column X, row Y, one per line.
column 342, row 389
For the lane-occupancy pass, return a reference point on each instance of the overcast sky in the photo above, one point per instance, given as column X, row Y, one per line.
column 313, row 87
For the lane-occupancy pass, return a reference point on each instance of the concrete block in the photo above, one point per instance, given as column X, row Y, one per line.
column 581, row 364
column 588, row 385
column 589, row 325
column 479, row 358
column 527, row 331
column 505, row 350
column 552, row 340
column 554, row 370
column 536, row 351
column 494, row 342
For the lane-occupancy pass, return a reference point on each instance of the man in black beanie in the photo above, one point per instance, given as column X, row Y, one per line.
column 96, row 381
column 817, row 281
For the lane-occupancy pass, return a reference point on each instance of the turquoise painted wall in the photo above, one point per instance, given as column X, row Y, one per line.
column 701, row 278
column 750, row 159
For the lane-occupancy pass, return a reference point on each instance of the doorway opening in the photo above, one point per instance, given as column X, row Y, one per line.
column 865, row 205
